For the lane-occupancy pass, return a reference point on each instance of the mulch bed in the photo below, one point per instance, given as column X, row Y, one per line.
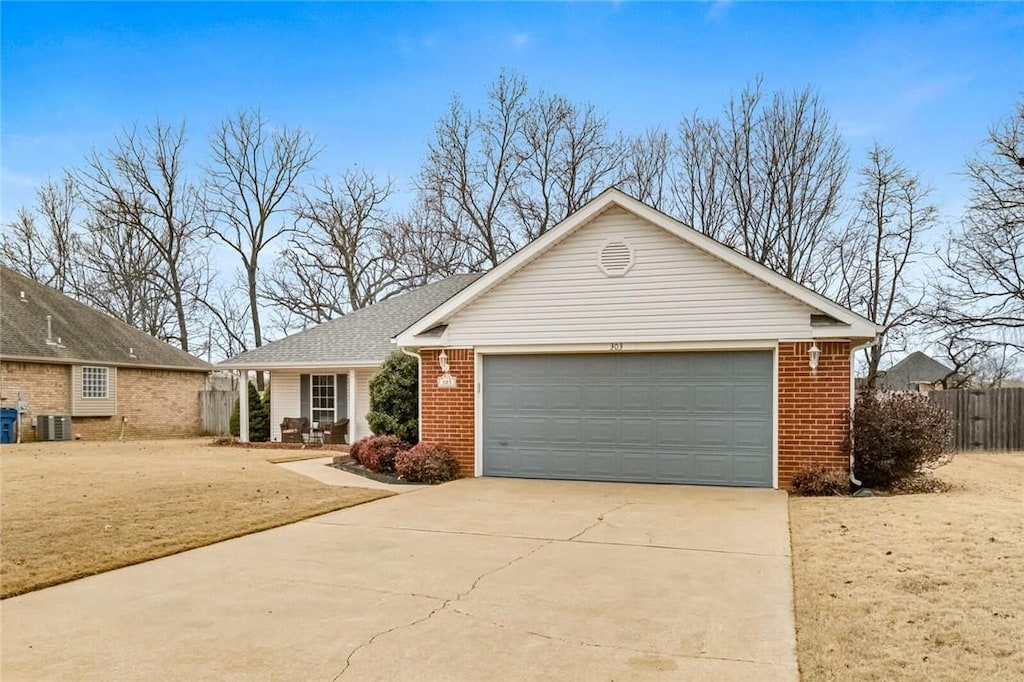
column 234, row 443
column 346, row 463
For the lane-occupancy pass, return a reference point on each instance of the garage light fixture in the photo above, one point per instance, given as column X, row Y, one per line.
column 813, row 356
column 446, row 380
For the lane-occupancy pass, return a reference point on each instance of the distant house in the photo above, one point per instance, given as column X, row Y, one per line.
column 917, row 372
column 323, row 373
column 61, row 358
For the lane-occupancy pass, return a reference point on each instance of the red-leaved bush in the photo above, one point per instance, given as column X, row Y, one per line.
column 355, row 450
column 427, row 463
column 377, row 453
column 897, row 436
column 818, row 479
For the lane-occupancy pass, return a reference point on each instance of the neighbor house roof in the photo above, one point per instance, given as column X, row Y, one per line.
column 846, row 322
column 87, row 336
column 914, row 369
column 362, row 337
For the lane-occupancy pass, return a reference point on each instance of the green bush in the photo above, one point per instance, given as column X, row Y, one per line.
column 259, row 417
column 898, row 436
column 394, row 398
column 818, row 479
column 235, row 420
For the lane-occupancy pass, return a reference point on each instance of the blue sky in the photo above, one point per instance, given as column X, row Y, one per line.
column 371, row 79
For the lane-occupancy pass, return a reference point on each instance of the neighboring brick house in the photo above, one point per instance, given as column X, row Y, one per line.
column 622, row 345
column 63, row 358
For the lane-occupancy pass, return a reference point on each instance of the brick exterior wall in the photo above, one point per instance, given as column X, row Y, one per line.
column 446, row 414
column 813, row 410
column 157, row 403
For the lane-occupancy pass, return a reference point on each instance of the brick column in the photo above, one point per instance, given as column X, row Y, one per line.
column 446, row 414
column 813, row 409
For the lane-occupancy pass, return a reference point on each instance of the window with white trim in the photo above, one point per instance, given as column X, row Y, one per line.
column 321, row 399
column 95, row 382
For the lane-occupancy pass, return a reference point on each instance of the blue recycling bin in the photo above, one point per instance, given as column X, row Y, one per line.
column 8, row 417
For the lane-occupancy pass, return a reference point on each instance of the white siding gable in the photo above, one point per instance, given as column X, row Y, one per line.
column 672, row 292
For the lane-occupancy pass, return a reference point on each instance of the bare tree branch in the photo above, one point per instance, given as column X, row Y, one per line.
column 139, row 186
column 254, row 172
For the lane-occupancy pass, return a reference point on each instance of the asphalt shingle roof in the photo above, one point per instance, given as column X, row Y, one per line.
column 916, row 367
column 86, row 334
column 361, row 337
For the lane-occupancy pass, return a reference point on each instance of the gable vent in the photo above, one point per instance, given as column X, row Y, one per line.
column 615, row 258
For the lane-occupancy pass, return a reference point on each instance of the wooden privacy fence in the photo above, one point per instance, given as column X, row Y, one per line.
column 215, row 411
column 986, row 419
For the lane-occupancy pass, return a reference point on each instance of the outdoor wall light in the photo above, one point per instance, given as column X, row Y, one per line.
column 813, row 355
column 446, row 380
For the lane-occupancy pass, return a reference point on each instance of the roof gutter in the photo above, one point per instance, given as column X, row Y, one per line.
column 103, row 363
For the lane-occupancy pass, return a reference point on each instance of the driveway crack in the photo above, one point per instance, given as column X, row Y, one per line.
column 599, row 520
column 442, row 607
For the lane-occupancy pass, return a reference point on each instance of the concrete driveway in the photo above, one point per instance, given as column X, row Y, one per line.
column 474, row 580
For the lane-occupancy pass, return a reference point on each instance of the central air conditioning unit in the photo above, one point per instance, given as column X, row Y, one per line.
column 53, row 427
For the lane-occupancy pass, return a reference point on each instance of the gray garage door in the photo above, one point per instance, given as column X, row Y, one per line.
column 664, row 417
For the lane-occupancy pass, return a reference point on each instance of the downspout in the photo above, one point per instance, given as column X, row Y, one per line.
column 419, row 398
column 853, row 398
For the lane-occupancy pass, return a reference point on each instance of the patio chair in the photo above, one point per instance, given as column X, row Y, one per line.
column 336, row 433
column 294, row 429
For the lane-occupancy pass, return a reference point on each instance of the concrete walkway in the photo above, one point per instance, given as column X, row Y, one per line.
column 319, row 470
column 480, row 579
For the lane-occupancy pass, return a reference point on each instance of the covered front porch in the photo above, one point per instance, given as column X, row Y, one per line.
column 322, row 395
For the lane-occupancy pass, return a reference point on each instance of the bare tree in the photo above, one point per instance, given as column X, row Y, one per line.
column 351, row 252
column 700, row 183
column 140, row 185
column 121, row 274
column 646, row 172
column 255, row 170
column 472, row 168
column 766, row 178
column 46, row 254
column 424, row 252
column 228, row 333
column 342, row 258
column 874, row 253
column 976, row 361
column 567, row 158
column 984, row 296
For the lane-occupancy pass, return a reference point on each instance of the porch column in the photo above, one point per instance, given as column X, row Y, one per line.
column 351, row 406
column 243, row 405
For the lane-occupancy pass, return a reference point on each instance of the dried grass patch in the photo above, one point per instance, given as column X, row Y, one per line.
column 69, row 510
column 927, row 586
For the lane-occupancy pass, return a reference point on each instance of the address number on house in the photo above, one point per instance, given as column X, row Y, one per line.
column 616, row 346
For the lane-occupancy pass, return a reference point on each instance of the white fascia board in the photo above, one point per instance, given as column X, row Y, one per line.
column 626, row 347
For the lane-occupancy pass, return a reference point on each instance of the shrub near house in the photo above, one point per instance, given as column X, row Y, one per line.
column 898, row 436
column 394, row 398
column 427, row 463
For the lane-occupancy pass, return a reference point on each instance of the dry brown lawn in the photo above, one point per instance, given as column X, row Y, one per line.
column 69, row 510
column 915, row 587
